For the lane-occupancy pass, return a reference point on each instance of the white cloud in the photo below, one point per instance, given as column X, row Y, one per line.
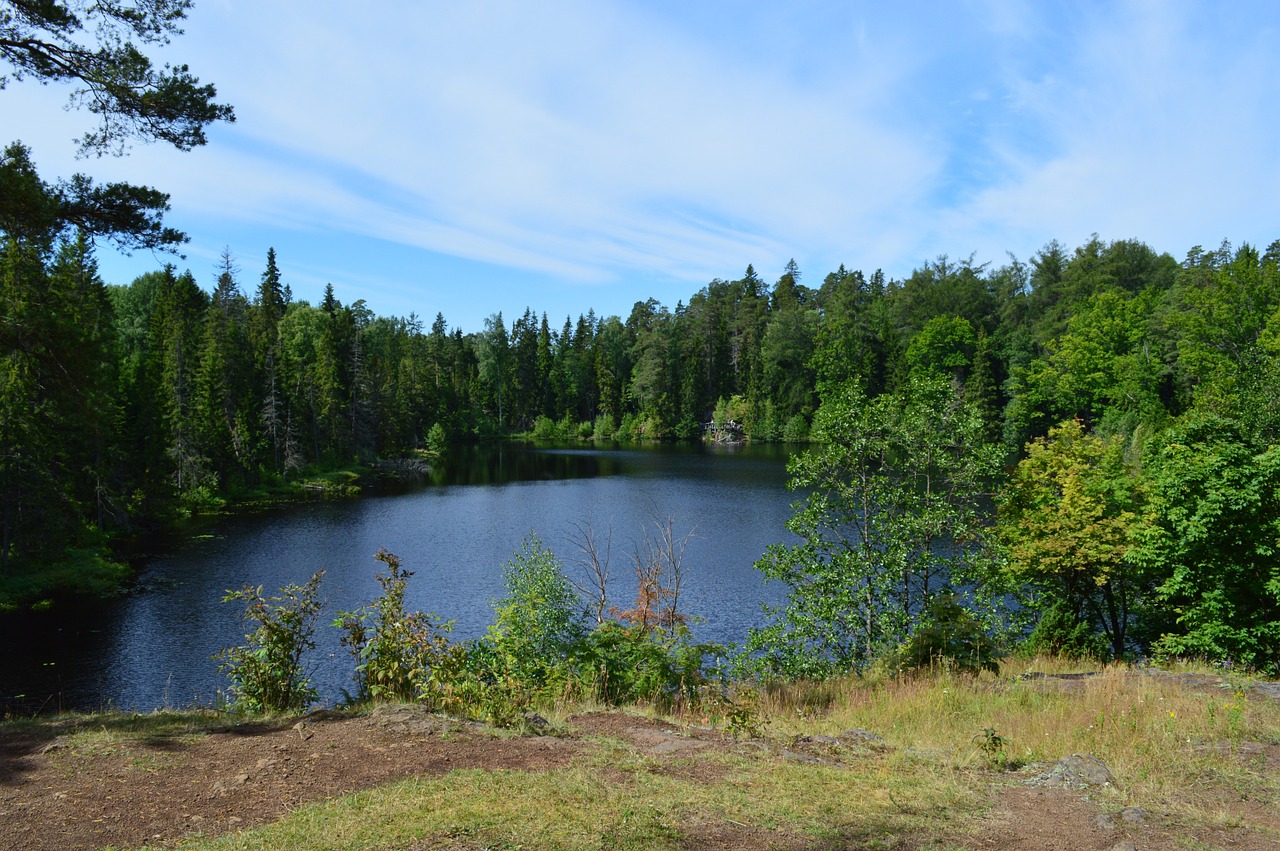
column 597, row 143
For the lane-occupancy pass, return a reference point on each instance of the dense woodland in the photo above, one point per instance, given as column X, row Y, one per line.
column 1079, row 450
column 1130, row 395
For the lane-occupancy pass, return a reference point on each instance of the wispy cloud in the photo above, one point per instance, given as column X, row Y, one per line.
column 615, row 145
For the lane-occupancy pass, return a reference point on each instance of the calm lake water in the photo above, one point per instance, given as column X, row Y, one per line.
column 154, row 648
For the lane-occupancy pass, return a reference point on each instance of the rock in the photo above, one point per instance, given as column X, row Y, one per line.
column 1133, row 815
column 866, row 738
column 862, row 740
column 406, row 720
column 535, row 723
column 1076, row 771
column 671, row 745
column 1123, row 845
column 1105, row 822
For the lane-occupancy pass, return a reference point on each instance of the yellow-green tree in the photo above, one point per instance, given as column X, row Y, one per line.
column 1067, row 521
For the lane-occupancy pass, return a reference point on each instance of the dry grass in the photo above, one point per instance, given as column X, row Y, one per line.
column 1178, row 744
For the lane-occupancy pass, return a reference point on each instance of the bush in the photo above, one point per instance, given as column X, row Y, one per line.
column 545, row 428
column 604, row 427
column 266, row 672
column 1060, row 633
column 399, row 655
column 796, row 430
column 437, row 439
column 623, row 664
column 949, row 636
column 539, row 622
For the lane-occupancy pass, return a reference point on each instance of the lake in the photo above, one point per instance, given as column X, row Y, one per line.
column 154, row 648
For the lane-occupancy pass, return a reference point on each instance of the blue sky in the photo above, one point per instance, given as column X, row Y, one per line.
column 473, row 157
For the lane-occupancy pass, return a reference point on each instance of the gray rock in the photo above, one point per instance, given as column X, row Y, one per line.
column 536, row 724
column 863, row 739
column 1076, row 771
column 1133, row 815
column 1123, row 845
column 1105, row 822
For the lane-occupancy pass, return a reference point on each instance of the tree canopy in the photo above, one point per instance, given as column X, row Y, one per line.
column 93, row 46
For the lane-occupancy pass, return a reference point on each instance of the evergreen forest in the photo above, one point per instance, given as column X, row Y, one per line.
column 1098, row 422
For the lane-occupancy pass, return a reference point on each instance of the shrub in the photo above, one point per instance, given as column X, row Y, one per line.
column 796, row 430
column 267, row 672
column 437, row 439
column 623, row 664
column 949, row 636
column 604, row 427
column 539, row 622
column 1060, row 633
column 545, row 428
column 399, row 655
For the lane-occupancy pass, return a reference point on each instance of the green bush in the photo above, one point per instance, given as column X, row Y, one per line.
column 267, row 672
column 399, row 655
column 604, row 428
column 437, row 439
column 545, row 428
column 624, row 664
column 796, row 430
column 1060, row 633
column 949, row 636
column 539, row 622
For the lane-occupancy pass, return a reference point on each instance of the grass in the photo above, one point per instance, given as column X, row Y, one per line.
column 615, row 799
column 1174, row 748
column 87, row 571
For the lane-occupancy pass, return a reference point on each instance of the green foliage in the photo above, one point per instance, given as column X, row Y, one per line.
column 545, row 428
column 604, row 427
column 82, row 571
column 994, row 748
column 267, row 672
column 1210, row 534
column 400, row 655
column 437, row 439
column 890, row 519
column 1067, row 520
column 947, row 636
column 944, row 347
column 1061, row 631
column 540, row 621
column 796, row 430
column 619, row 664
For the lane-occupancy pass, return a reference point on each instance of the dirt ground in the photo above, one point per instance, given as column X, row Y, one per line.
column 157, row 791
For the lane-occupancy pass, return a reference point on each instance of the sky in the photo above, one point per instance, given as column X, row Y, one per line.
column 470, row 158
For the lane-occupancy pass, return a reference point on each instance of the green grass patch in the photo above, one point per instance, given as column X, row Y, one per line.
column 87, row 572
column 612, row 800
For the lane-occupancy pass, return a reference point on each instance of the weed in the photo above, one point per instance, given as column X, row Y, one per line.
column 267, row 672
column 396, row 652
column 992, row 745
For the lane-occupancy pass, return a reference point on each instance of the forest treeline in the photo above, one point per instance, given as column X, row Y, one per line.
column 1132, row 388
